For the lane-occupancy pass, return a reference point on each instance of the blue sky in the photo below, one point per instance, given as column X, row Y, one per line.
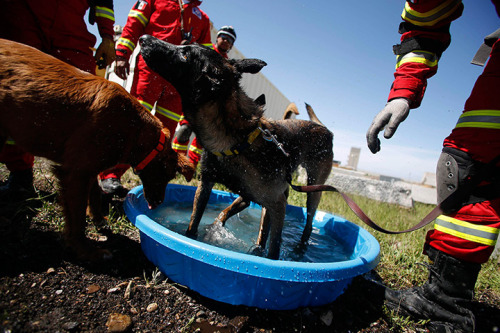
column 337, row 56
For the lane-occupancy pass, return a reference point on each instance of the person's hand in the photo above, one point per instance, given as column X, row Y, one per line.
column 393, row 114
column 105, row 51
column 122, row 67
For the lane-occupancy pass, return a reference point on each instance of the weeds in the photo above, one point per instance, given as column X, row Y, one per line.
column 156, row 278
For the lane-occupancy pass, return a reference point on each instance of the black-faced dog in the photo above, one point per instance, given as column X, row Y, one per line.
column 85, row 124
column 251, row 155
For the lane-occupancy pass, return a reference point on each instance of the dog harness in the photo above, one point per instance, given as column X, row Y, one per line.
column 266, row 135
column 237, row 149
column 152, row 154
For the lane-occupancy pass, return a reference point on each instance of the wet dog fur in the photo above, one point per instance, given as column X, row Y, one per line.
column 85, row 124
column 223, row 116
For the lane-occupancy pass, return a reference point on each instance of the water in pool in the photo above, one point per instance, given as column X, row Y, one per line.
column 241, row 231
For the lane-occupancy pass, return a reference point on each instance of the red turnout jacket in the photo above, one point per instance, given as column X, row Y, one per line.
column 162, row 19
column 470, row 233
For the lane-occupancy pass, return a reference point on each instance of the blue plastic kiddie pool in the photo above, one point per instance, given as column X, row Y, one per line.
column 244, row 279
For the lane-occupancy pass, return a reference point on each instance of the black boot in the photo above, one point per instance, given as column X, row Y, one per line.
column 19, row 186
column 444, row 299
column 113, row 186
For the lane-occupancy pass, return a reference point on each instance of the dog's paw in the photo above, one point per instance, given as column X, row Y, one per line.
column 191, row 234
column 257, row 250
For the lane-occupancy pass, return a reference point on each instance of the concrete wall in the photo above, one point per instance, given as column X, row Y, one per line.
column 396, row 192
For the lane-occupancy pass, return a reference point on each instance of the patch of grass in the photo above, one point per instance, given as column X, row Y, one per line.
column 50, row 213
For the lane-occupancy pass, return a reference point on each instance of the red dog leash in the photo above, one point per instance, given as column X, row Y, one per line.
column 152, row 154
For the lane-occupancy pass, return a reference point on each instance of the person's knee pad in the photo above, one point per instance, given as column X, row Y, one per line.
column 454, row 168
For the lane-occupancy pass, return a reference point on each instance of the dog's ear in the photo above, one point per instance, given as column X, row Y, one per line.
column 185, row 167
column 251, row 66
column 261, row 100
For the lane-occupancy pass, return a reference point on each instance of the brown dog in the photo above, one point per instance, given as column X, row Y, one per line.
column 251, row 155
column 85, row 124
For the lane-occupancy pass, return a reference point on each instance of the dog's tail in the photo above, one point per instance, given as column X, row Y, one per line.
column 312, row 115
column 290, row 109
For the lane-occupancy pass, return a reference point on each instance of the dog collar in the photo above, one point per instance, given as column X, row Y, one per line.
column 235, row 150
column 152, row 154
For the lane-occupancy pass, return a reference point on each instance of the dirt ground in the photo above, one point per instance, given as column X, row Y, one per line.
column 43, row 288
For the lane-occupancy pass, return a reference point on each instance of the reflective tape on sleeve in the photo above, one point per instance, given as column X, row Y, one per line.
column 480, row 119
column 127, row 43
column 419, row 56
column 431, row 17
column 472, row 232
column 105, row 12
column 139, row 16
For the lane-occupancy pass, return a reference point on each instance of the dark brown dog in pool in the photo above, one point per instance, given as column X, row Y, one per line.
column 250, row 154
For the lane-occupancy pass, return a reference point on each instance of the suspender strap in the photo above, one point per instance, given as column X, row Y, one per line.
column 484, row 51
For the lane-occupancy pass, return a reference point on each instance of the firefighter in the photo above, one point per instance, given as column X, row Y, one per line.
column 226, row 36
column 56, row 27
column 464, row 236
column 175, row 21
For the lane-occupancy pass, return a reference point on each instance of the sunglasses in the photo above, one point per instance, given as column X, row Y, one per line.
column 227, row 38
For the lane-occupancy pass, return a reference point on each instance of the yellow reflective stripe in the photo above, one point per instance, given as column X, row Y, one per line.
column 167, row 113
column 480, row 119
column 228, row 152
column 424, row 57
column 234, row 151
column 139, row 16
column 105, row 12
column 253, row 135
column 478, row 125
column 182, row 118
column 210, row 45
column 431, row 17
column 10, row 141
column 179, row 147
column 127, row 43
column 146, row 105
column 475, row 233
column 195, row 150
